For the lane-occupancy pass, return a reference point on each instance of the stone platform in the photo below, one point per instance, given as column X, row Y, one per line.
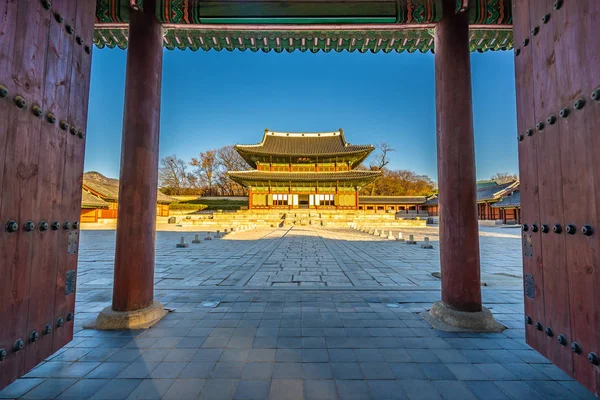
column 299, row 217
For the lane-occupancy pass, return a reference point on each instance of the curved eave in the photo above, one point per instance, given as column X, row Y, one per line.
column 85, row 204
column 246, row 178
column 314, row 38
column 250, row 155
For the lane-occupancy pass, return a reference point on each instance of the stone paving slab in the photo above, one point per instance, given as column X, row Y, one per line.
column 299, row 344
column 302, row 256
column 226, row 339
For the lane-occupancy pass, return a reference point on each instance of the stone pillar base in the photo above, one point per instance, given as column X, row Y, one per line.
column 139, row 319
column 445, row 318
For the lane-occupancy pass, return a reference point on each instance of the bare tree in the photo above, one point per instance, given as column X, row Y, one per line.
column 504, row 177
column 380, row 160
column 228, row 159
column 173, row 175
column 206, row 170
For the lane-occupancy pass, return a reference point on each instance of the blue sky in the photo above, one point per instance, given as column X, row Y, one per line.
column 212, row 99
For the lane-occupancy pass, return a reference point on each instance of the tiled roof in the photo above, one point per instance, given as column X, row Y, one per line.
column 318, row 39
column 511, row 201
column 486, row 192
column 88, row 200
column 306, row 25
column 486, row 184
column 108, row 188
column 391, row 199
column 304, row 144
column 433, row 201
column 496, row 192
column 241, row 176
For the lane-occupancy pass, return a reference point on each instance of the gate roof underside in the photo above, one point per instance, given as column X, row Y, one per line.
column 305, row 25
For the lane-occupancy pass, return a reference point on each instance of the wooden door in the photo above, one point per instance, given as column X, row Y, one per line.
column 45, row 61
column 558, row 110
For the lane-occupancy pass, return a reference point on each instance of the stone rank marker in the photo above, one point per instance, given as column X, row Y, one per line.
column 196, row 239
column 182, row 244
column 427, row 244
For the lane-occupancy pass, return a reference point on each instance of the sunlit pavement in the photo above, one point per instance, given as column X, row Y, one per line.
column 299, row 313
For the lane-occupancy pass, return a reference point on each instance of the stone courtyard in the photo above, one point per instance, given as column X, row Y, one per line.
column 298, row 313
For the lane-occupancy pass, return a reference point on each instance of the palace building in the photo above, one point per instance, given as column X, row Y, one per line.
column 304, row 170
column 100, row 198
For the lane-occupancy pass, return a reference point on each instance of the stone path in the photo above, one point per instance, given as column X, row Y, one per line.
column 300, row 314
column 302, row 257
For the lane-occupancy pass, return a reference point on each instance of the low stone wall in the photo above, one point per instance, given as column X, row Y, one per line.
column 483, row 222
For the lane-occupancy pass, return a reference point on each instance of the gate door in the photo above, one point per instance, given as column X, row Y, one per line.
column 45, row 61
column 557, row 65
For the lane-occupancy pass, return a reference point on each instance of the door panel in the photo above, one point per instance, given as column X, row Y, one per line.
column 38, row 52
column 549, row 156
column 565, row 74
column 528, row 172
column 581, row 176
column 73, row 170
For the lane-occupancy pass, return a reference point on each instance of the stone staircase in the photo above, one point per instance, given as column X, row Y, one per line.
column 274, row 218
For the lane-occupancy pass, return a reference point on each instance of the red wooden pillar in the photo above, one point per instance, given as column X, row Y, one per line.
column 134, row 258
column 459, row 237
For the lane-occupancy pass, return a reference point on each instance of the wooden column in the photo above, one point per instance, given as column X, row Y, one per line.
column 459, row 237
column 134, row 259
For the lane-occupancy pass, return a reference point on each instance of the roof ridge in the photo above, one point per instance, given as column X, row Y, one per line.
column 361, row 171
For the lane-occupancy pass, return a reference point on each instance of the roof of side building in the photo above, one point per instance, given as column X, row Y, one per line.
column 511, row 201
column 108, row 188
column 88, row 200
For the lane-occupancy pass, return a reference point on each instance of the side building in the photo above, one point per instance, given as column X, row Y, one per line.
column 510, row 207
column 495, row 201
column 101, row 198
column 304, row 171
column 411, row 206
column 91, row 207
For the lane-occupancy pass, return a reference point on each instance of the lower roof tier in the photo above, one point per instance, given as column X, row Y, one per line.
column 261, row 178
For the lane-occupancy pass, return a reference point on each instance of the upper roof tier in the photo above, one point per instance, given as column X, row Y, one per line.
column 305, row 25
column 304, row 147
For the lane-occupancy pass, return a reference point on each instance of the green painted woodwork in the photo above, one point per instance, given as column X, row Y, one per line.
column 352, row 158
column 298, row 12
column 373, row 41
column 488, row 12
column 295, row 9
column 299, row 21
